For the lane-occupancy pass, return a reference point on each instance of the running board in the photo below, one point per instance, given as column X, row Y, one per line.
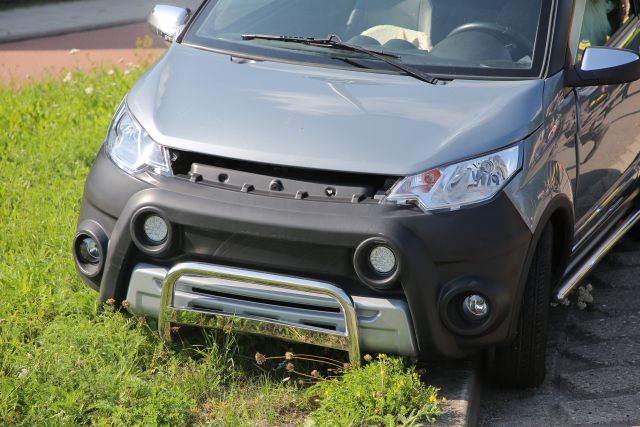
column 595, row 257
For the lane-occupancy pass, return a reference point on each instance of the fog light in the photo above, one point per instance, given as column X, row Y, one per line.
column 155, row 229
column 475, row 307
column 382, row 259
column 89, row 251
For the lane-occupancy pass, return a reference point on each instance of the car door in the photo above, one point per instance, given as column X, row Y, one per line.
column 608, row 139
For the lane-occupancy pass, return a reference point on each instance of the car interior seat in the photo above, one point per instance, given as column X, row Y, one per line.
column 410, row 14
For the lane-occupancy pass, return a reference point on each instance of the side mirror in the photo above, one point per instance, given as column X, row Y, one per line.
column 168, row 21
column 604, row 66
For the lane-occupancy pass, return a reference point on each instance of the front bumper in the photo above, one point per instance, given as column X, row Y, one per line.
column 281, row 306
column 315, row 241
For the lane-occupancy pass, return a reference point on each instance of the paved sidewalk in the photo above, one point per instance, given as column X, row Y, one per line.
column 33, row 59
column 23, row 66
column 71, row 17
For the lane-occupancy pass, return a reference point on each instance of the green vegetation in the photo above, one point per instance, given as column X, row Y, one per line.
column 384, row 391
column 66, row 360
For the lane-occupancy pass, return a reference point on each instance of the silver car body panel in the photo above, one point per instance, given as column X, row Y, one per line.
column 331, row 119
column 384, row 324
column 549, row 165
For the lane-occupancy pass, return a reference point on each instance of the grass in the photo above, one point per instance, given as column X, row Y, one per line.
column 382, row 392
column 66, row 360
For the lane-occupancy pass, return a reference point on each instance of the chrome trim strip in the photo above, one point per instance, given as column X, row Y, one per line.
column 597, row 255
column 606, row 216
column 624, row 34
column 607, row 203
column 169, row 315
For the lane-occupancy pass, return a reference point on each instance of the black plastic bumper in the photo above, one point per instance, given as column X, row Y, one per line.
column 315, row 240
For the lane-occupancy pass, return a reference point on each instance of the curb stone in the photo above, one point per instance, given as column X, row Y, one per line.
column 460, row 383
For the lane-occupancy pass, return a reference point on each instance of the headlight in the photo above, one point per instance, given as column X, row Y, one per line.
column 453, row 186
column 131, row 147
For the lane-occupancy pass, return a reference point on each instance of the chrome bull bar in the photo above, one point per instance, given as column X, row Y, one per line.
column 170, row 315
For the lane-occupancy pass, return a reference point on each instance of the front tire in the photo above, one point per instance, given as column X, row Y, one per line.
column 522, row 363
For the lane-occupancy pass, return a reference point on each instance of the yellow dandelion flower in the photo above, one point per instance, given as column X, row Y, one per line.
column 444, row 399
column 374, row 394
column 327, row 392
column 432, row 398
column 358, row 394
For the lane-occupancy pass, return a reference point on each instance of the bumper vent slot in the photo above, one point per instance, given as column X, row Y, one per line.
column 202, row 307
column 266, row 301
column 320, row 325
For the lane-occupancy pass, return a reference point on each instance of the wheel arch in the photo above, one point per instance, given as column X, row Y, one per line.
column 559, row 212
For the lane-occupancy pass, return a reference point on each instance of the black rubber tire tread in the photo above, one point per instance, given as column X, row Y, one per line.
column 522, row 363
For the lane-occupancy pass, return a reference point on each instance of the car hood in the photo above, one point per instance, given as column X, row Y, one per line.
column 343, row 120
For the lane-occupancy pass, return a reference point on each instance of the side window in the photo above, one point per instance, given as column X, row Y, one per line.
column 595, row 22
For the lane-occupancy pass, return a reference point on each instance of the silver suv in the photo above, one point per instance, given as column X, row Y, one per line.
column 418, row 177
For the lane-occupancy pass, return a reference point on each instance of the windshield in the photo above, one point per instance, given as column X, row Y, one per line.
column 494, row 38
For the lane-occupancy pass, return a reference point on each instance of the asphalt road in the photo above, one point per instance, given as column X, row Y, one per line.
column 593, row 360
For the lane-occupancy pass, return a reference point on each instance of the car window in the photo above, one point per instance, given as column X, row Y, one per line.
column 229, row 11
column 595, row 22
column 455, row 35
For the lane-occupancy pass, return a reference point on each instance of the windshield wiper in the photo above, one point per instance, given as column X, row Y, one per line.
column 334, row 41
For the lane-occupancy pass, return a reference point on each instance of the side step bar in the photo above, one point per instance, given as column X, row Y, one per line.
column 595, row 258
column 170, row 315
